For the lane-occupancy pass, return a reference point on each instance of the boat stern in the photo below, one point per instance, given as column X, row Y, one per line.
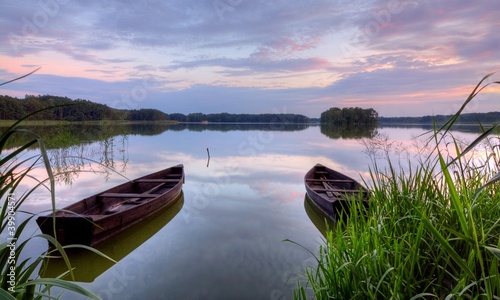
column 69, row 230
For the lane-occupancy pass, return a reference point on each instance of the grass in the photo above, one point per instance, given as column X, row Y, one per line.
column 432, row 230
column 19, row 279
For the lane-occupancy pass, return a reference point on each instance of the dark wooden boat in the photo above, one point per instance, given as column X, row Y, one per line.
column 332, row 191
column 87, row 265
column 96, row 218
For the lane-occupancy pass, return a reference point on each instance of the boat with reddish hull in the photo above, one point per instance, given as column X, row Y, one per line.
column 96, row 218
column 332, row 191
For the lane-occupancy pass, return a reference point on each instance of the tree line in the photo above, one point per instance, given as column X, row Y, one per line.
column 349, row 116
column 476, row 118
column 66, row 109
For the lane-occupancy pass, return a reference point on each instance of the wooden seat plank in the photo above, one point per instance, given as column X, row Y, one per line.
column 127, row 195
column 336, row 190
column 330, row 180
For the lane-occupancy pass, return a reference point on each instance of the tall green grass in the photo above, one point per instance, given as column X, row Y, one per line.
column 432, row 230
column 19, row 279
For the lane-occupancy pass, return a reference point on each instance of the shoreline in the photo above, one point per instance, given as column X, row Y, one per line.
column 6, row 123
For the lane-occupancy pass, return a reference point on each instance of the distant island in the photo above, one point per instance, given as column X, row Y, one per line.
column 79, row 110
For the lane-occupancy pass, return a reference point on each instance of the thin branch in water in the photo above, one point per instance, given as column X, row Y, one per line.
column 208, row 161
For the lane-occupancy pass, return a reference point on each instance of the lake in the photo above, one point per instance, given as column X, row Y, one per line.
column 243, row 197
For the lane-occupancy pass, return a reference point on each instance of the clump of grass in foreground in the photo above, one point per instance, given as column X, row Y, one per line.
column 19, row 279
column 432, row 231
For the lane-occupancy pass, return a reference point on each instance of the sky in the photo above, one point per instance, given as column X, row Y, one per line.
column 399, row 57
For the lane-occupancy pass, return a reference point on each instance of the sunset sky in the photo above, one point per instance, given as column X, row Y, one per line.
column 402, row 58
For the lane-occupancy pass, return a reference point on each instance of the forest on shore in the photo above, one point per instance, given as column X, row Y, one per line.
column 475, row 118
column 66, row 109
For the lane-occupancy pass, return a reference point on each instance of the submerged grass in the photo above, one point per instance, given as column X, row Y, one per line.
column 432, row 230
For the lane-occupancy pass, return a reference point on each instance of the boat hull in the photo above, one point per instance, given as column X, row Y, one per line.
column 96, row 218
column 88, row 266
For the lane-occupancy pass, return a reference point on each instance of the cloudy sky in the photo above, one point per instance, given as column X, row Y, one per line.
column 400, row 57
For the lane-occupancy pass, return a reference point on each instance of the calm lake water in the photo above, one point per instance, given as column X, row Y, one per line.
column 224, row 238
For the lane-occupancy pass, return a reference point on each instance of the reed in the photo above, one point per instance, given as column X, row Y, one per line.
column 432, row 229
column 21, row 279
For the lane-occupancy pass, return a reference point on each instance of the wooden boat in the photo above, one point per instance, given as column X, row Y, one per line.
column 96, row 218
column 87, row 265
column 332, row 191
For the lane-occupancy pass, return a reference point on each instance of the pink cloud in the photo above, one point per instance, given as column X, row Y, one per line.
column 284, row 47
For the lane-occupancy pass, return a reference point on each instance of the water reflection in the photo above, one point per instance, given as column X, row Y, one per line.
column 224, row 127
column 103, row 148
column 73, row 149
column 104, row 157
column 62, row 136
column 348, row 132
column 88, row 265
column 467, row 128
column 317, row 217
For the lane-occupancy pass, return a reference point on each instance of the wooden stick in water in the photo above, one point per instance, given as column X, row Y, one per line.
column 208, row 161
